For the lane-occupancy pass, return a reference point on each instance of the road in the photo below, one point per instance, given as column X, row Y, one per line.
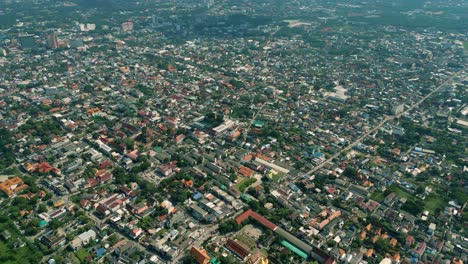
column 209, row 231
column 377, row 127
column 252, row 121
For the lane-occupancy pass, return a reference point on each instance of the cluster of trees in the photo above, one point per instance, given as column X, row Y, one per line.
column 188, row 259
column 6, row 152
column 237, row 83
column 214, row 119
column 228, row 226
column 146, row 223
column 146, row 90
column 257, row 207
column 350, row 172
column 412, row 207
column 42, row 129
column 241, row 112
column 180, row 195
column 121, row 176
column 141, row 167
column 452, row 146
column 27, row 254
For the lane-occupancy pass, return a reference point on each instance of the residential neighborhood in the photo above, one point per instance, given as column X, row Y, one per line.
column 219, row 131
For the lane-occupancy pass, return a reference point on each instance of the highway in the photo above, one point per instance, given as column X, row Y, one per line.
column 377, row 127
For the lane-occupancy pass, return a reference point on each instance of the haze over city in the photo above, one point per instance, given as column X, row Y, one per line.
column 233, row 131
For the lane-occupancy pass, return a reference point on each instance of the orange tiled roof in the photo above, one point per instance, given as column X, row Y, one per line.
column 379, row 231
column 263, row 157
column 12, row 186
column 93, row 111
column 44, row 167
column 250, row 213
column 200, row 255
column 188, row 183
column 247, row 157
column 246, row 171
column 235, row 134
column 393, row 242
column 363, row 235
column 374, row 239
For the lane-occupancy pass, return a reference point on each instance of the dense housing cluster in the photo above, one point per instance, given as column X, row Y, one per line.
column 222, row 131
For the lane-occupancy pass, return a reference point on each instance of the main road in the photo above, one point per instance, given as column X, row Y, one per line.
column 381, row 124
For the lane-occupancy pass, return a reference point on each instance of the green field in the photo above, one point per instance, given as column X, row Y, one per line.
column 82, row 254
column 278, row 176
column 8, row 254
column 433, row 202
column 401, row 192
column 377, row 196
column 243, row 184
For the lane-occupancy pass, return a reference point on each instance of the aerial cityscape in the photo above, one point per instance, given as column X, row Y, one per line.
column 234, row 131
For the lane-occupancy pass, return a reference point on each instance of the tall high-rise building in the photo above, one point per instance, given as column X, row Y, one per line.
column 52, row 40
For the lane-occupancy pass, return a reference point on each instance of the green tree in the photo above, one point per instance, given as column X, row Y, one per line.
column 228, row 226
column 42, row 208
column 382, row 245
column 188, row 259
column 180, row 195
column 420, row 189
column 351, row 173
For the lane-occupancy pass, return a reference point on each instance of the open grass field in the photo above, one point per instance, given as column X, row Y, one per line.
column 82, row 254
column 278, row 176
column 401, row 192
column 377, row 196
column 433, row 202
column 244, row 183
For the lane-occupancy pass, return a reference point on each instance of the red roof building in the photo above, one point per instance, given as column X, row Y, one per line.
column 246, row 172
column 410, row 240
column 133, row 155
column 179, row 138
column 45, row 167
column 127, row 191
column 237, row 248
column 105, row 177
column 262, row 220
column 106, row 164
